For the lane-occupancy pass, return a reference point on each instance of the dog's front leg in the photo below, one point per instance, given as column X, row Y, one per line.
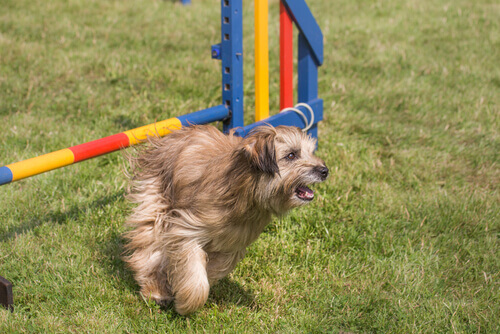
column 188, row 277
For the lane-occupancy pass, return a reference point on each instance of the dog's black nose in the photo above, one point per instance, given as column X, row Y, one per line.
column 322, row 171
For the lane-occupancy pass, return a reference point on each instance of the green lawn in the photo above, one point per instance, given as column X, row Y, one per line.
column 402, row 238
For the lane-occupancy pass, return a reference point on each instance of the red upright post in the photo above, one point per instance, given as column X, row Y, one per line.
column 286, row 59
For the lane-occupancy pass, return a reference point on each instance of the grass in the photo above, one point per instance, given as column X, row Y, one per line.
column 404, row 236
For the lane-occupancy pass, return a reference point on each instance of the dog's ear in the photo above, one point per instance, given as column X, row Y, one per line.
column 258, row 149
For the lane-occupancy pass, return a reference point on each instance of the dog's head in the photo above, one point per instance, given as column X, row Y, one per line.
column 284, row 158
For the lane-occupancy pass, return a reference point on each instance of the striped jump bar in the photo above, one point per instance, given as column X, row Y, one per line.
column 71, row 155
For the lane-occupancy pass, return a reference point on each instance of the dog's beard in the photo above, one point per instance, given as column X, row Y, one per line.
column 302, row 194
column 302, row 191
column 290, row 189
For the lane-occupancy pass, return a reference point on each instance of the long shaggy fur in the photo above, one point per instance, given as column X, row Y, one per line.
column 202, row 197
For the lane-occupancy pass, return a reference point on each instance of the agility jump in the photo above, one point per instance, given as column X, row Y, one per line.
column 307, row 113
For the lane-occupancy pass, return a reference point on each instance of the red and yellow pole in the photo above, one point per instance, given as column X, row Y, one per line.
column 44, row 163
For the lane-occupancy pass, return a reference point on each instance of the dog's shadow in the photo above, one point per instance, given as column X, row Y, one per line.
column 224, row 294
column 229, row 292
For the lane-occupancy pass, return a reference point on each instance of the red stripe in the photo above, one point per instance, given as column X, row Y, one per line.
column 286, row 59
column 100, row 146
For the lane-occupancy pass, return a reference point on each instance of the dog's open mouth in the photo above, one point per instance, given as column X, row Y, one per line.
column 304, row 193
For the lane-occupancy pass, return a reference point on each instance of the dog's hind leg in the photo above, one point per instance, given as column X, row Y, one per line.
column 149, row 267
column 159, row 291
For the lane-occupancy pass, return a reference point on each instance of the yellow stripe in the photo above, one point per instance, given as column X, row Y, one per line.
column 261, row 60
column 158, row 129
column 43, row 163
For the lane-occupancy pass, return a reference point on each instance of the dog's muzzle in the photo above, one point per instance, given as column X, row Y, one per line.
column 305, row 193
column 322, row 172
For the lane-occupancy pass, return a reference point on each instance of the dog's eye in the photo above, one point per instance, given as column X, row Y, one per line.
column 290, row 156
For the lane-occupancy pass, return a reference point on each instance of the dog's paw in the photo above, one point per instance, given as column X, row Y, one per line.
column 165, row 303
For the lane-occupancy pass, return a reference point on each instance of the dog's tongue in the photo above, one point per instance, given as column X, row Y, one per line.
column 305, row 193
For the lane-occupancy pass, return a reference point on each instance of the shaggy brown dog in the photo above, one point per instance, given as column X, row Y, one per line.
column 203, row 197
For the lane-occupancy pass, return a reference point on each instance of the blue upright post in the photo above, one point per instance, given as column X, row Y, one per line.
column 303, row 18
column 231, row 54
column 308, row 79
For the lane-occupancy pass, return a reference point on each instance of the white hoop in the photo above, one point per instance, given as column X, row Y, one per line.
column 308, row 107
column 298, row 111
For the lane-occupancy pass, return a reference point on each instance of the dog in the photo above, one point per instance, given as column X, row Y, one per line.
column 203, row 197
